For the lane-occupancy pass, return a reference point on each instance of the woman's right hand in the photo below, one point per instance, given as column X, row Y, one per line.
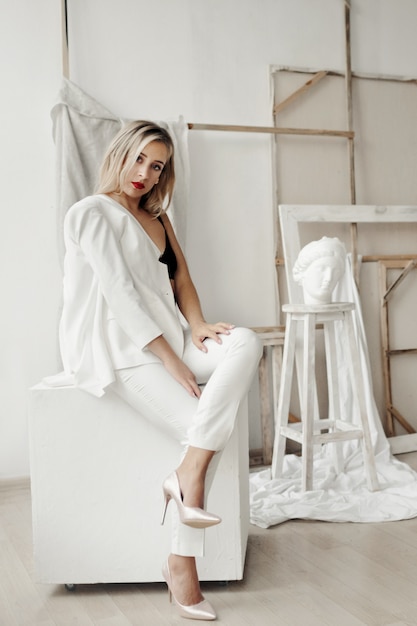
column 173, row 364
column 179, row 370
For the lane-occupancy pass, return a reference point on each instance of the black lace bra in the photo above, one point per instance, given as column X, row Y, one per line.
column 168, row 256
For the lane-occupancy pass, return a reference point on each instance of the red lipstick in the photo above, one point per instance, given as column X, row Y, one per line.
column 138, row 185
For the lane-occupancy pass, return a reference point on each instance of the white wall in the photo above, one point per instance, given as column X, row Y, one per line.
column 30, row 71
column 205, row 59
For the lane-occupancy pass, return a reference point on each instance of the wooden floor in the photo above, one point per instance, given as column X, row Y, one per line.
column 297, row 574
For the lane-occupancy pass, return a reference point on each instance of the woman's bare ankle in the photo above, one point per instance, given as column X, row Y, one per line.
column 184, row 579
column 192, row 475
column 192, row 487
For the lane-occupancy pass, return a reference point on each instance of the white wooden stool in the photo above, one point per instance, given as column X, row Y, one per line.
column 310, row 430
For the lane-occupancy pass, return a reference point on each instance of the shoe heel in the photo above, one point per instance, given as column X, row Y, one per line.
column 167, row 499
column 191, row 516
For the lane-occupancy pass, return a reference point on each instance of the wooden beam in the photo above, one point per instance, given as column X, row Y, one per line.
column 296, row 94
column 350, row 144
column 386, row 365
column 349, row 107
column 64, row 39
column 271, row 130
column 402, row 351
column 407, row 269
column 332, row 72
column 401, row 419
column 372, row 258
column 388, row 257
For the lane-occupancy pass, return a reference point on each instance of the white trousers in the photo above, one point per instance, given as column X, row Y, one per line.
column 226, row 370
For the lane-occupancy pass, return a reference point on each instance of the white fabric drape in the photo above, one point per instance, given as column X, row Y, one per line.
column 82, row 130
column 344, row 497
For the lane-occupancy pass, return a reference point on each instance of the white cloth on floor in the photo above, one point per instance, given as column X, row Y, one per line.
column 82, row 130
column 342, row 497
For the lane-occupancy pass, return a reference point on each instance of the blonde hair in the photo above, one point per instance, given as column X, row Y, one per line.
column 122, row 154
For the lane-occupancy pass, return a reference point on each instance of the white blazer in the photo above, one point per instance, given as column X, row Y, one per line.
column 117, row 294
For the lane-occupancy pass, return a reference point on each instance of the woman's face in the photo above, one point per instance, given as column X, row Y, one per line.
column 146, row 171
column 319, row 280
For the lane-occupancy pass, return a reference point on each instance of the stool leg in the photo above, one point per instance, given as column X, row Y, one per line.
column 359, row 393
column 284, row 397
column 276, row 368
column 333, row 388
column 266, row 417
column 308, row 397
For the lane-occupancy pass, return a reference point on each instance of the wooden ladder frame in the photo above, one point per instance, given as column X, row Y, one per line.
column 347, row 133
column 405, row 264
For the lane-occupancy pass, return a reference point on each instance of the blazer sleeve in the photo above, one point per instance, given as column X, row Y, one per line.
column 90, row 229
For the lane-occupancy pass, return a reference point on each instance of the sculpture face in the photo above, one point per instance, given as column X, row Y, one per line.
column 320, row 278
column 318, row 268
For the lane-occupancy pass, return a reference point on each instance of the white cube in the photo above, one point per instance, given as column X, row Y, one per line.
column 97, row 469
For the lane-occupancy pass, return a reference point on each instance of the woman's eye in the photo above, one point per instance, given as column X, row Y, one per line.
column 157, row 167
column 139, row 159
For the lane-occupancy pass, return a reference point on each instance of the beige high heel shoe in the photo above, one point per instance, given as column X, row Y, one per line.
column 189, row 515
column 203, row 610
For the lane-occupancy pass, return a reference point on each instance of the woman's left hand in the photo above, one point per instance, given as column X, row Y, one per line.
column 203, row 330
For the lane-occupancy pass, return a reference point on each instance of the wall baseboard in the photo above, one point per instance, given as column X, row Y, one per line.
column 18, row 482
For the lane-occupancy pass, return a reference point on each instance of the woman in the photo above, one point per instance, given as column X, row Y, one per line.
column 127, row 292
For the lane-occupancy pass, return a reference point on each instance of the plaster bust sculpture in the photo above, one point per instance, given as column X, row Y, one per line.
column 318, row 268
